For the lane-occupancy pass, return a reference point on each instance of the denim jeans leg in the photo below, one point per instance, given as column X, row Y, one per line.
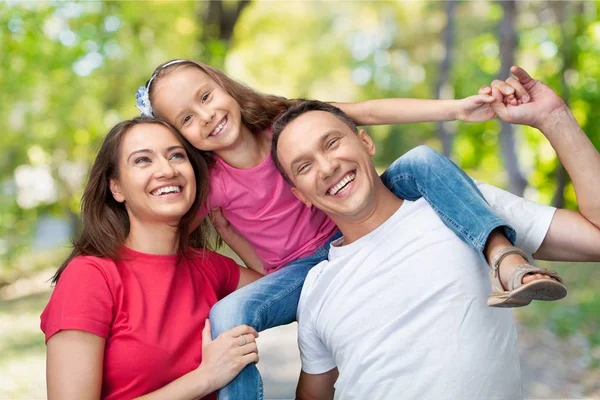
column 269, row 302
column 423, row 172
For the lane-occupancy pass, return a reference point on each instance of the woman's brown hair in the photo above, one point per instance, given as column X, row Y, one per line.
column 259, row 110
column 105, row 220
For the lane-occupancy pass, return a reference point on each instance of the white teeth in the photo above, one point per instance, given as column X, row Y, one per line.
column 219, row 127
column 341, row 184
column 166, row 190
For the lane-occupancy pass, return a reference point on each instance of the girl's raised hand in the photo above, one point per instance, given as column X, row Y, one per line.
column 224, row 357
column 476, row 108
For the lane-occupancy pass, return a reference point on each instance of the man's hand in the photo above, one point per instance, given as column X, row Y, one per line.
column 532, row 102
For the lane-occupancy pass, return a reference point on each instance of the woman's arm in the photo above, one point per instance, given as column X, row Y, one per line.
column 222, row 359
column 400, row 111
column 75, row 360
column 74, row 365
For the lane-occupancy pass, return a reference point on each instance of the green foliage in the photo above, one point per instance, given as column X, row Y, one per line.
column 69, row 71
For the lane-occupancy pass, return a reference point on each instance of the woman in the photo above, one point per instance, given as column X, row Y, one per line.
column 131, row 299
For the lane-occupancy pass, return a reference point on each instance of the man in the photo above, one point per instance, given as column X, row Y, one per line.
column 399, row 310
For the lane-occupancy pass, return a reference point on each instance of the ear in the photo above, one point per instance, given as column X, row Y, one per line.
column 115, row 189
column 301, row 197
column 367, row 142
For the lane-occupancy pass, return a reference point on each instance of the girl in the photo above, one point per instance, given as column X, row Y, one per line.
column 230, row 123
column 131, row 299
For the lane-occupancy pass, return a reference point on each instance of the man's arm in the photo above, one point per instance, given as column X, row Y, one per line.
column 570, row 237
column 573, row 235
column 316, row 386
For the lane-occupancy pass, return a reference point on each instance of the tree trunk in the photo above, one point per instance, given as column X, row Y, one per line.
column 568, row 51
column 444, row 134
column 508, row 44
column 218, row 21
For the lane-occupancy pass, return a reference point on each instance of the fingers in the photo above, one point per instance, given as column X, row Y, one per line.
column 520, row 92
column 206, row 335
column 521, row 75
column 245, row 339
column 485, row 89
column 250, row 358
column 241, row 330
column 498, row 106
column 503, row 87
column 484, row 98
column 248, row 348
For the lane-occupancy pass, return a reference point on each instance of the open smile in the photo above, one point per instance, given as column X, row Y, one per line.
column 219, row 128
column 171, row 190
column 343, row 185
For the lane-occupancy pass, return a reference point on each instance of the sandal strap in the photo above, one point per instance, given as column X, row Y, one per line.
column 516, row 279
column 499, row 256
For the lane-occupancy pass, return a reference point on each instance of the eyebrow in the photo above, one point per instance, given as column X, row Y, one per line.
column 200, row 89
column 323, row 138
column 169, row 149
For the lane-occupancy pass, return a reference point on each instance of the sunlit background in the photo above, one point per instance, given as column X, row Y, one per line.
column 69, row 71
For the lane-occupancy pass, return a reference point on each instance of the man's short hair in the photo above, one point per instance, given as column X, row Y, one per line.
column 294, row 112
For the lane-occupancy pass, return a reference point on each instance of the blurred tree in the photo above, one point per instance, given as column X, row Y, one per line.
column 218, row 19
column 69, row 71
column 444, row 135
column 508, row 45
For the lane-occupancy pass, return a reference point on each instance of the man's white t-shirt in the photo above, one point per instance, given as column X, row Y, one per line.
column 402, row 311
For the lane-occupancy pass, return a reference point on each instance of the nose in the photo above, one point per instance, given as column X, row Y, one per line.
column 206, row 115
column 327, row 166
column 165, row 170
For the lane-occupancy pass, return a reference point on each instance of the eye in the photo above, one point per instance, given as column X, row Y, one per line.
column 205, row 97
column 186, row 119
column 141, row 160
column 303, row 168
column 333, row 142
column 177, row 156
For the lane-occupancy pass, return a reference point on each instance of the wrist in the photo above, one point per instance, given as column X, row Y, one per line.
column 454, row 110
column 559, row 116
column 204, row 381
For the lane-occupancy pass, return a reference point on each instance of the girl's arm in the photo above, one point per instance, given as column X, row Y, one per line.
column 400, row 111
column 238, row 244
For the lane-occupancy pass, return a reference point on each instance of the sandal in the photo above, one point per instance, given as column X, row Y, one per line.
column 518, row 293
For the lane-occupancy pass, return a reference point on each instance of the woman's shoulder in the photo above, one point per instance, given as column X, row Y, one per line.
column 86, row 265
column 206, row 255
column 89, row 260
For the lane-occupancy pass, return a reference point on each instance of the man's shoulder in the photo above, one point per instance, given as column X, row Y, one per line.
column 310, row 290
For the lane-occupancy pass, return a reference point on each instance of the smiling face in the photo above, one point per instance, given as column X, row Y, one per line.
column 155, row 177
column 208, row 117
column 329, row 164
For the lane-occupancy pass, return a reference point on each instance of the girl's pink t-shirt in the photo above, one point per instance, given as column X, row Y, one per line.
column 261, row 206
column 151, row 310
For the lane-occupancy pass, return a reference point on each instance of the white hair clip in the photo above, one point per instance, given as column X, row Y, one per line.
column 142, row 101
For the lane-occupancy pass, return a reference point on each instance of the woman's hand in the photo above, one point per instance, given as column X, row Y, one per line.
column 224, row 357
column 475, row 108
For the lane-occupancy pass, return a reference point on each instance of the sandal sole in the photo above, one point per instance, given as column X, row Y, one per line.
column 543, row 290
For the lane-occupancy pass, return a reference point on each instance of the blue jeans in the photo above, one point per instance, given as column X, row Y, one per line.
column 272, row 301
